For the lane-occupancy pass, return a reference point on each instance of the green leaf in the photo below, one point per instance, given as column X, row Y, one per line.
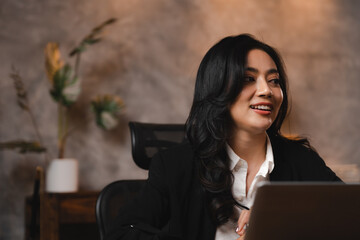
column 92, row 41
column 79, row 49
column 110, row 21
column 91, row 38
column 23, row 146
column 66, row 88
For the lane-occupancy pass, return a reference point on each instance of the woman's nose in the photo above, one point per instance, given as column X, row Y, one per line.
column 263, row 88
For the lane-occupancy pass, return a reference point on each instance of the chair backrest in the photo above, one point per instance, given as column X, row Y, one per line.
column 146, row 140
column 149, row 138
column 111, row 199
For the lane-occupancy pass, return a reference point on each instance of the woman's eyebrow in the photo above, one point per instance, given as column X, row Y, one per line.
column 273, row 70
column 270, row 71
column 250, row 69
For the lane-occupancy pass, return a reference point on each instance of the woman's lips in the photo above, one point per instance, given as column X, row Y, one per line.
column 262, row 108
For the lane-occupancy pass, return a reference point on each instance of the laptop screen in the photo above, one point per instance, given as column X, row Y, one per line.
column 305, row 211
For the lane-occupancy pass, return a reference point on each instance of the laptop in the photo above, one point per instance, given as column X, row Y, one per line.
column 291, row 211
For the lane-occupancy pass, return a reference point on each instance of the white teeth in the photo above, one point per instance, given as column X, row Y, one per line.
column 262, row 107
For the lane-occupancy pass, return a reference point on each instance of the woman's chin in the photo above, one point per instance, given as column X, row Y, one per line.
column 261, row 128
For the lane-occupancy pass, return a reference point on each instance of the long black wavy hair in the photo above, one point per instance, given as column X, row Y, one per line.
column 219, row 81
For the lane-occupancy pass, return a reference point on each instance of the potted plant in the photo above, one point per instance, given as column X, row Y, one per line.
column 62, row 172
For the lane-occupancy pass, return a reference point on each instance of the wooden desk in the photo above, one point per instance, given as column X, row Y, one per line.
column 64, row 216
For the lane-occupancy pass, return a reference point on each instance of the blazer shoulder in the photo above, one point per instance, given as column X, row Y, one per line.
column 175, row 159
column 299, row 161
column 294, row 148
column 296, row 153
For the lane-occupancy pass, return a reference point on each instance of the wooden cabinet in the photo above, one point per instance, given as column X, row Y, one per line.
column 64, row 216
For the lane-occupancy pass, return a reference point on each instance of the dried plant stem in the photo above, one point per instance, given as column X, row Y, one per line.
column 61, row 130
column 25, row 105
column 77, row 64
column 35, row 127
column 46, row 157
column 74, row 128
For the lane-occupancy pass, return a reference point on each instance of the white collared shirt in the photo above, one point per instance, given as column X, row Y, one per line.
column 239, row 169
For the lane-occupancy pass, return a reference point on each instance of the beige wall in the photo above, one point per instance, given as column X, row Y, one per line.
column 150, row 57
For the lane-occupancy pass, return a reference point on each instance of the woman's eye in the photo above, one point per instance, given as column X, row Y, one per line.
column 275, row 81
column 249, row 79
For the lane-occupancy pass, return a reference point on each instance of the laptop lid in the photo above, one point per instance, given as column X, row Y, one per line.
column 291, row 211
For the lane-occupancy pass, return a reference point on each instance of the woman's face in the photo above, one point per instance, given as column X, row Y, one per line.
column 258, row 104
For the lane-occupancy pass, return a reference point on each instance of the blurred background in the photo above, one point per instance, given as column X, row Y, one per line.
column 149, row 58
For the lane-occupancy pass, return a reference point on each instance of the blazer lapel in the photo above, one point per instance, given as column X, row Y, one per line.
column 282, row 170
column 199, row 224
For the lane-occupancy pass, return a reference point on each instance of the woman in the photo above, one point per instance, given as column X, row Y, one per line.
column 205, row 187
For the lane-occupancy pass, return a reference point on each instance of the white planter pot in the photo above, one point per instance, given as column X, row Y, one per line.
column 62, row 176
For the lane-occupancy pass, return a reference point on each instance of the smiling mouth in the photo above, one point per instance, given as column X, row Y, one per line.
column 261, row 107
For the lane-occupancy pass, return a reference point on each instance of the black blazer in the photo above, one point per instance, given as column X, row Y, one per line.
column 172, row 204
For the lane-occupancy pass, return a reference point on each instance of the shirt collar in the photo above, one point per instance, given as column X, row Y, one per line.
column 234, row 158
column 266, row 167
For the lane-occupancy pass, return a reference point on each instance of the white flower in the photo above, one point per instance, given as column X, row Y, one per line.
column 108, row 120
column 72, row 91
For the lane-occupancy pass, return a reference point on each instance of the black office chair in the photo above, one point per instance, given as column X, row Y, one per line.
column 149, row 138
column 146, row 140
column 112, row 198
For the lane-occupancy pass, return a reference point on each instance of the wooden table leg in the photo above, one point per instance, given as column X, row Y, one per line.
column 49, row 217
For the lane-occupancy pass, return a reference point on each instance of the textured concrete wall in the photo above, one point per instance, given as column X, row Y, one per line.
column 150, row 57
